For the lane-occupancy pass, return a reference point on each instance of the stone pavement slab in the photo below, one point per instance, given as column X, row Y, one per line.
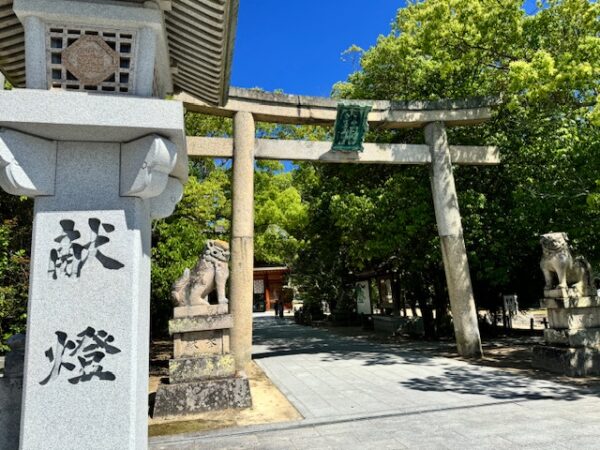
column 360, row 394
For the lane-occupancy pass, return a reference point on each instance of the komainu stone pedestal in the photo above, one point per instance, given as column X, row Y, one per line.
column 202, row 375
column 573, row 340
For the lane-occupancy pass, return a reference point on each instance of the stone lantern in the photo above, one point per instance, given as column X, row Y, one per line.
column 93, row 141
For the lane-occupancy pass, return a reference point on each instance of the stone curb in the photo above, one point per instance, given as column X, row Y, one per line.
column 156, row 442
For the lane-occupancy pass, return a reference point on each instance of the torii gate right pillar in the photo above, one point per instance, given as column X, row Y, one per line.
column 454, row 253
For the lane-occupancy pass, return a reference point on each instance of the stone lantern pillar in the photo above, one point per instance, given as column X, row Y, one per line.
column 101, row 158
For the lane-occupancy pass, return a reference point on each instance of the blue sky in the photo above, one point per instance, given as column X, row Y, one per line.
column 296, row 45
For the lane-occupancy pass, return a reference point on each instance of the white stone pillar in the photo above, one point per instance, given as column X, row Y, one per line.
column 146, row 58
column 86, row 363
column 35, row 51
column 242, row 239
column 2, row 80
column 456, row 265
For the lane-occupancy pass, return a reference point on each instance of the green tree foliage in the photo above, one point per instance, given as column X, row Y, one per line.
column 279, row 214
column 544, row 69
column 15, row 244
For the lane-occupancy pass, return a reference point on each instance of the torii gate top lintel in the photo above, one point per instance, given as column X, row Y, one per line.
column 306, row 110
column 302, row 110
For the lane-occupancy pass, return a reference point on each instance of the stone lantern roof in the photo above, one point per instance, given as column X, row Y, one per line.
column 199, row 33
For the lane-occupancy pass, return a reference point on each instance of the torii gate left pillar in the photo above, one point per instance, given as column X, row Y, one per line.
column 242, row 239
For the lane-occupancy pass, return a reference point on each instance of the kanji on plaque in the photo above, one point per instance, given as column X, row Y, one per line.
column 81, row 357
column 350, row 128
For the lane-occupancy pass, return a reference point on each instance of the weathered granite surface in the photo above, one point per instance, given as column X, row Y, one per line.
column 573, row 340
column 181, row 399
column 454, row 252
column 201, row 368
column 200, row 323
column 562, row 270
column 210, row 274
column 561, row 293
column 569, row 301
column 574, row 318
column 570, row 361
column 187, row 345
column 202, row 375
column 242, row 237
column 90, row 282
column 199, row 310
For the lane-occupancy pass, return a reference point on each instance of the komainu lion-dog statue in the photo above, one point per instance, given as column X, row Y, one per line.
column 211, row 272
column 558, row 263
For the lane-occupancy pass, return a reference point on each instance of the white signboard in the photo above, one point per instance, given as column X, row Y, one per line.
column 363, row 299
column 259, row 286
column 511, row 304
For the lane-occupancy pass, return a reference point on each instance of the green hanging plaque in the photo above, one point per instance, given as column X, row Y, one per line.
column 350, row 128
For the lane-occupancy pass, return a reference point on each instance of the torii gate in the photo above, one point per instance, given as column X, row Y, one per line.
column 245, row 106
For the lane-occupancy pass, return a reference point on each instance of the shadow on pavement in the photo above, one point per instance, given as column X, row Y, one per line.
column 275, row 337
column 282, row 337
column 496, row 384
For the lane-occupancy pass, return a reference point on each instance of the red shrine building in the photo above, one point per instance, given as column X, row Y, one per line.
column 269, row 288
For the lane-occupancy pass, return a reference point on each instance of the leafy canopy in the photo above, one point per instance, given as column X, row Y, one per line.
column 544, row 70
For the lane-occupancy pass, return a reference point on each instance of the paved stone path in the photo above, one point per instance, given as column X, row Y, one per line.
column 356, row 394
